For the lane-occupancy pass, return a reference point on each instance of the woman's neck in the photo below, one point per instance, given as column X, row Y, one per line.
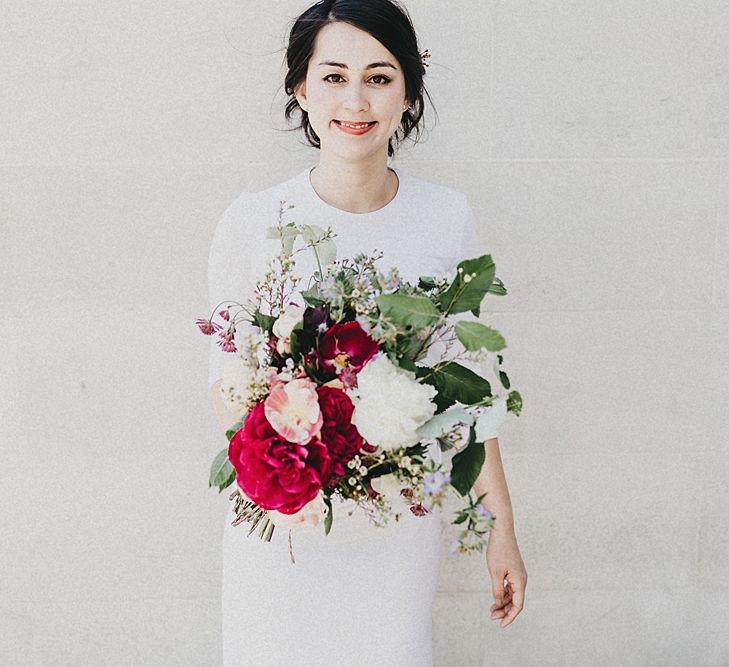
column 355, row 187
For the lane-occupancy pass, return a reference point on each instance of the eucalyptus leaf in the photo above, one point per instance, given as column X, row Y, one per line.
column 444, row 422
column 476, row 336
column 322, row 247
column 287, row 234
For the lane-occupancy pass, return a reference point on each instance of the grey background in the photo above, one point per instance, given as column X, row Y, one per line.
column 592, row 139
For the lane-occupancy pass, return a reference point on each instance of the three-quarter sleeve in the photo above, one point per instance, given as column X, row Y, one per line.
column 228, row 275
column 470, row 246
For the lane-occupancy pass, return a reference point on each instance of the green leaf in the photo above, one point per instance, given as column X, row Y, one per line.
column 329, row 517
column 458, row 383
column 404, row 310
column 407, row 363
column 467, row 464
column 235, row 428
column 504, row 379
column 514, row 403
column 426, row 282
column 442, row 402
column 497, row 288
column 222, row 473
column 476, row 336
column 461, row 295
column 313, row 296
column 426, row 374
column 263, row 322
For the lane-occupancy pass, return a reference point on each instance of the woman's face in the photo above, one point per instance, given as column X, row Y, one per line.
column 342, row 86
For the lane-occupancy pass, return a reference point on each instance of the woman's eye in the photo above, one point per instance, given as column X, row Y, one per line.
column 382, row 78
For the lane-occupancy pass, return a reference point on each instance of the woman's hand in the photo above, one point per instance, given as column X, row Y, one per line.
column 505, row 563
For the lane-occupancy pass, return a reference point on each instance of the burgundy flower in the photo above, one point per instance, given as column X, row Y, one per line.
column 226, row 339
column 274, row 473
column 208, row 327
column 419, row 510
column 340, row 436
column 346, row 345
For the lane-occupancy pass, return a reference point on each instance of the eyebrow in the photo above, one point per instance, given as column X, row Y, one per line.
column 382, row 63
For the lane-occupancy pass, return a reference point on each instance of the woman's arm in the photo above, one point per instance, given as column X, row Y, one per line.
column 502, row 552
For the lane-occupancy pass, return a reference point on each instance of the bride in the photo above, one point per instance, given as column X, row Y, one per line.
column 360, row 595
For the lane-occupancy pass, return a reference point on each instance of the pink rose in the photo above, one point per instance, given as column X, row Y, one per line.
column 292, row 408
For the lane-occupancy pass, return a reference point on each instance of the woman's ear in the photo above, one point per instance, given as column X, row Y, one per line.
column 300, row 94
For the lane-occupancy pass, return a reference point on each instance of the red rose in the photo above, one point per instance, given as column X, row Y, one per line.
column 346, row 345
column 340, row 436
column 272, row 472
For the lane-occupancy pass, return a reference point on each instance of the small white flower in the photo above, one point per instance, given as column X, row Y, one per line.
column 284, row 325
column 237, row 377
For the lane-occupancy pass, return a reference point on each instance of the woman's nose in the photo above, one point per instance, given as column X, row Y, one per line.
column 356, row 98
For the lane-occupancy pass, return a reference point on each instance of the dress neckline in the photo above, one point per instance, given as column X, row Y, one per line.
column 306, row 177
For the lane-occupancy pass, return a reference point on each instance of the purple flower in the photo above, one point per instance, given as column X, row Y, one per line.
column 433, row 482
column 482, row 511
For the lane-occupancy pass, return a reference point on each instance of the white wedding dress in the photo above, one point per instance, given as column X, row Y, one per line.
column 362, row 595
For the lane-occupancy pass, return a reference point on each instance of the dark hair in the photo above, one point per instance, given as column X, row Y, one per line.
column 390, row 24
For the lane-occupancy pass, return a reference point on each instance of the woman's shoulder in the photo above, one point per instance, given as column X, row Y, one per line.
column 431, row 193
column 259, row 206
column 252, row 201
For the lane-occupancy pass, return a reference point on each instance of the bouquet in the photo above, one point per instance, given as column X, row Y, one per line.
column 334, row 396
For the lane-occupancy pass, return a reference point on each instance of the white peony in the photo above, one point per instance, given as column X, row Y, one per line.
column 389, row 404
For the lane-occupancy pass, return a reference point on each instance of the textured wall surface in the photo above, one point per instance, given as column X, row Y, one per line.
column 593, row 141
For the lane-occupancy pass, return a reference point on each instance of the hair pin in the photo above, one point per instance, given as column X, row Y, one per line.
column 423, row 56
